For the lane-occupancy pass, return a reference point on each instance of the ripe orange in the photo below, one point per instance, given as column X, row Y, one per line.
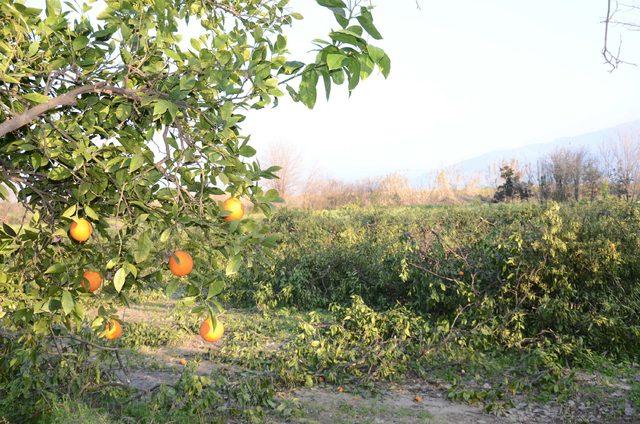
column 91, row 281
column 183, row 361
column 81, row 230
column 180, row 263
column 112, row 330
column 235, row 209
column 210, row 334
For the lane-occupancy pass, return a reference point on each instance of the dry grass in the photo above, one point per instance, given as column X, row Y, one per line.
column 391, row 190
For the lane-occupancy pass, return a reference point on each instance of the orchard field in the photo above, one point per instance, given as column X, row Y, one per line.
column 479, row 313
column 148, row 275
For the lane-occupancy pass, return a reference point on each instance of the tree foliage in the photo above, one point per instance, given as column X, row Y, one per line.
column 512, row 188
column 131, row 118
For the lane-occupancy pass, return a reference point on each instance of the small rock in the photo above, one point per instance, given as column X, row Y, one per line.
column 486, row 386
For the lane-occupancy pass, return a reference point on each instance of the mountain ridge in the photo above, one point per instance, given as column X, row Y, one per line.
column 480, row 167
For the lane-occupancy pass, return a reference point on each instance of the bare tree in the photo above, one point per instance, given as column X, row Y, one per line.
column 561, row 174
column 289, row 159
column 623, row 165
column 592, row 178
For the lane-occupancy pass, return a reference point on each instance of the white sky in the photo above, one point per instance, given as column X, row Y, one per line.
column 467, row 77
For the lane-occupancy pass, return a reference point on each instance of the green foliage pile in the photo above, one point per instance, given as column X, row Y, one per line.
column 560, row 277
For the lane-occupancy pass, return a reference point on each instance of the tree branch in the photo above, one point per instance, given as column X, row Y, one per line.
column 69, row 98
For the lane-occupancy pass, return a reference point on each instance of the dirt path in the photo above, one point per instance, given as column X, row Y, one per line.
column 397, row 406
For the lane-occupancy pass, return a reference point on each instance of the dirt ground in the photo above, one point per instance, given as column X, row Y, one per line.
column 409, row 402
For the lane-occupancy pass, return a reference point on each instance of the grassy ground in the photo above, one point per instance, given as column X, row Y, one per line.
column 247, row 377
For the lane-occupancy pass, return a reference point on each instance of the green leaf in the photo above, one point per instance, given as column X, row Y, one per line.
column 136, row 162
column 160, row 107
column 354, row 73
column 67, row 302
column 54, row 8
column 36, row 98
column 91, row 213
column 331, row 3
column 80, row 43
column 187, row 83
column 70, row 211
column 59, row 174
column 112, row 263
column 55, row 269
column 233, row 265
column 247, row 151
column 8, row 230
column 385, row 65
column 334, row 60
column 281, row 43
column 307, row 90
column 376, row 53
column 165, row 235
column 215, row 288
column 290, row 68
column 366, row 20
column 171, row 288
column 143, row 248
column 119, row 278
column 123, row 111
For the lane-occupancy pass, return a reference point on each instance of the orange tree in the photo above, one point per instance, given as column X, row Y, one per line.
column 125, row 124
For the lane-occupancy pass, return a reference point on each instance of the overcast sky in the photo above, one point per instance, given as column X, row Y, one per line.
column 468, row 77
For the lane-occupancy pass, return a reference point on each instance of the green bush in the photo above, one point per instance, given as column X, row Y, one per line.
column 561, row 276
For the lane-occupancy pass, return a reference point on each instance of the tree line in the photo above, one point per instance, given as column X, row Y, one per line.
column 567, row 174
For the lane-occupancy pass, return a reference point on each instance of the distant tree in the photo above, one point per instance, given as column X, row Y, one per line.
column 512, row 188
column 592, row 178
column 561, row 174
column 289, row 160
column 623, row 166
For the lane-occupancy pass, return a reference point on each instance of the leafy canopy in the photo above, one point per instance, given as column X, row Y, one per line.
column 118, row 118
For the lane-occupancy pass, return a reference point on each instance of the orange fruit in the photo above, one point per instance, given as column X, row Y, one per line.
column 235, row 209
column 180, row 263
column 81, row 230
column 112, row 330
column 91, row 281
column 210, row 334
column 183, row 361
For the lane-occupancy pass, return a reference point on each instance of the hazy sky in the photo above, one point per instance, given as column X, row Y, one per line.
column 467, row 77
